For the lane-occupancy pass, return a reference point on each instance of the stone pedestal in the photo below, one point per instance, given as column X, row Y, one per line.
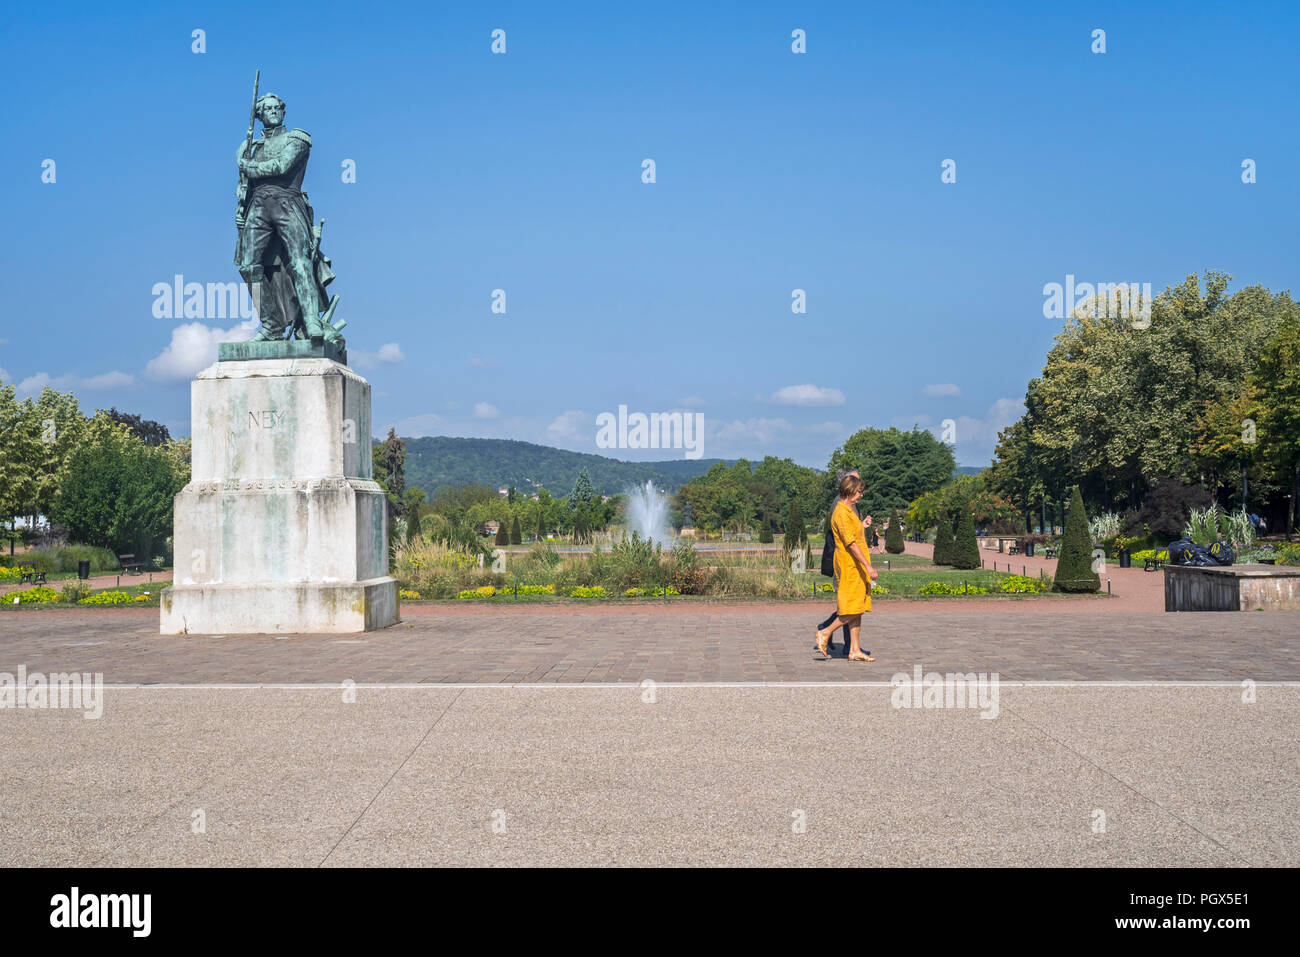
column 281, row 528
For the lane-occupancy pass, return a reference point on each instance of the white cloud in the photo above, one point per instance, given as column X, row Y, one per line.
column 564, row 427
column 945, row 389
column 750, row 432
column 388, row 352
column 193, row 348
column 484, row 410
column 807, row 395
column 34, row 383
column 828, row 428
column 109, row 380
column 981, row 434
column 70, row 382
column 4, row 375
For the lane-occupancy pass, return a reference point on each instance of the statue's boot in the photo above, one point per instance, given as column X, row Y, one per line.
column 265, row 334
column 268, row 332
column 305, row 286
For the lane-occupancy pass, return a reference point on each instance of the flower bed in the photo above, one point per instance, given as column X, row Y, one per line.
column 35, row 596
column 1148, row 553
column 1021, row 585
column 111, row 598
column 943, row 588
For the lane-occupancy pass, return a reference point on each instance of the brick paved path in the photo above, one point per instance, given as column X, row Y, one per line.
column 698, row 642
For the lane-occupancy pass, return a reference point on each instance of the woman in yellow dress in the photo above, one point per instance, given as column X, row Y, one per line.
column 853, row 571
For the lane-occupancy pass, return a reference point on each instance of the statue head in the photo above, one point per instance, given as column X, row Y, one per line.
column 270, row 110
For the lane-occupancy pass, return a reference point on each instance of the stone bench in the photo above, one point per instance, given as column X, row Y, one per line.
column 1234, row 588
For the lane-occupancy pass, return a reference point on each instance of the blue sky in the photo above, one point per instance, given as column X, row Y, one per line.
column 522, row 171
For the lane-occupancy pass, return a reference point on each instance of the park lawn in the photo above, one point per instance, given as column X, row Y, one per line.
column 878, row 560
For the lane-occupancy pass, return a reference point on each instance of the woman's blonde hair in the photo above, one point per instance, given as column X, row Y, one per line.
column 850, row 484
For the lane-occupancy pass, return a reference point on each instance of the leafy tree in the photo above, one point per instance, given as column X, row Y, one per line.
column 516, row 533
column 1166, row 509
column 943, row 539
column 455, row 502
column 1074, row 567
column 117, row 492
column 20, row 453
column 1014, row 475
column 1118, row 405
column 897, row 467
column 415, row 496
column 742, row 495
column 989, row 507
column 1277, row 383
column 58, row 420
column 583, row 493
column 388, row 458
column 894, row 535
column 584, row 508
column 765, row 536
column 146, row 430
column 965, row 552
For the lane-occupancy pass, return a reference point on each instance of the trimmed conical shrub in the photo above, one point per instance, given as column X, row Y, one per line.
column 765, row 536
column 942, row 539
column 503, row 535
column 795, row 533
column 516, row 533
column 1074, row 567
column 965, row 552
column 894, row 535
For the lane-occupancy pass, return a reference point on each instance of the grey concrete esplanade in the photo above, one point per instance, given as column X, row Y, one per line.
column 282, row 527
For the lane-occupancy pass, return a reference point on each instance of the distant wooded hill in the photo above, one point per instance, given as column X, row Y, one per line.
column 434, row 462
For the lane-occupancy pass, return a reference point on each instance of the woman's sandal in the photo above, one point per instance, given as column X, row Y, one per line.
column 823, row 640
column 861, row 657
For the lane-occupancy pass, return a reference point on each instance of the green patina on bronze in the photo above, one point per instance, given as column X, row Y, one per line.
column 282, row 349
column 277, row 248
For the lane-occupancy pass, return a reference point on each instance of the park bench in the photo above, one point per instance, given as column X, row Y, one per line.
column 1013, row 548
column 1153, row 564
column 1051, row 552
column 130, row 565
column 27, row 572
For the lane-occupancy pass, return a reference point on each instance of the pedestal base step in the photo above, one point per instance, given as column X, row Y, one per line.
column 296, row 608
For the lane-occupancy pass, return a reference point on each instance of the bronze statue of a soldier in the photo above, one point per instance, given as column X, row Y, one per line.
column 278, row 250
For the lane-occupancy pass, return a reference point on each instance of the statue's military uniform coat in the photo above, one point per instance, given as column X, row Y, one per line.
column 277, row 209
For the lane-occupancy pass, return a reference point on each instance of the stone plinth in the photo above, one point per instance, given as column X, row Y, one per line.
column 282, row 527
column 1234, row 588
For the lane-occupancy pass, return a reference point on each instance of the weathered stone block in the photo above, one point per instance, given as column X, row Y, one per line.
column 281, row 528
column 1234, row 588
